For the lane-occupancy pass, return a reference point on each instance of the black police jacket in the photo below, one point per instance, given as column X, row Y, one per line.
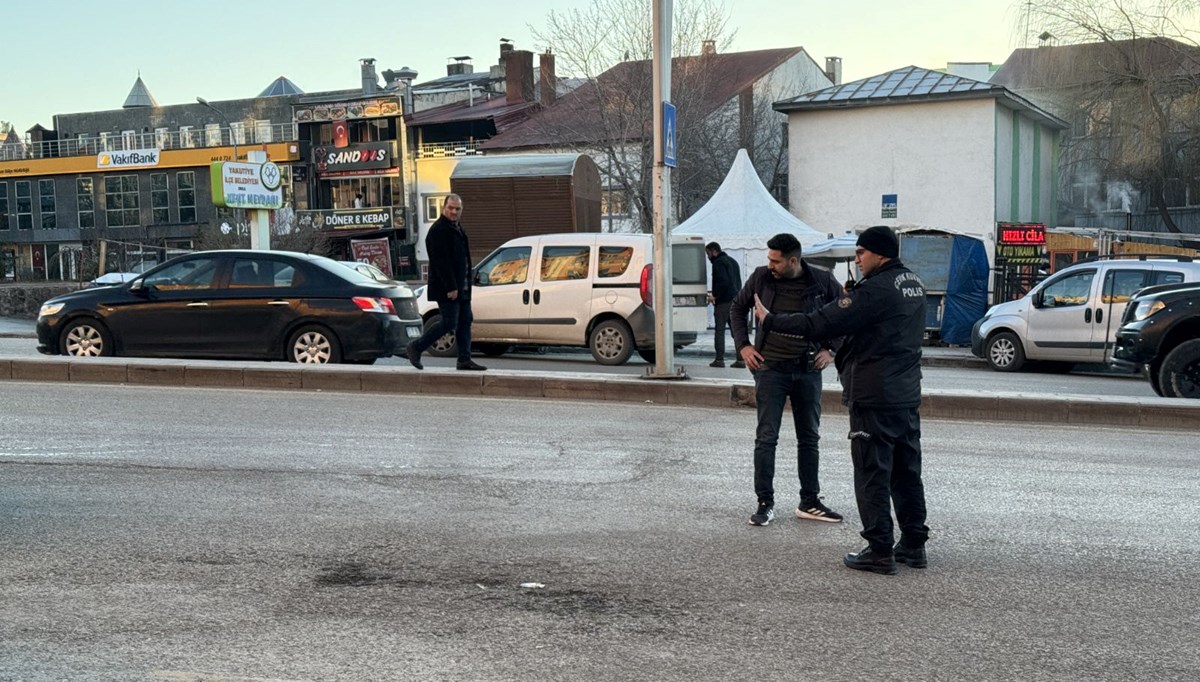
column 883, row 321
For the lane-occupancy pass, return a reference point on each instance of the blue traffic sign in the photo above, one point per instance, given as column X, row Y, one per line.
column 668, row 155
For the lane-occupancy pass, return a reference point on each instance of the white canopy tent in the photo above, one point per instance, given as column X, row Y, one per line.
column 742, row 215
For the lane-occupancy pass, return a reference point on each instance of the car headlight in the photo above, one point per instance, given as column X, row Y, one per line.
column 50, row 309
column 1147, row 308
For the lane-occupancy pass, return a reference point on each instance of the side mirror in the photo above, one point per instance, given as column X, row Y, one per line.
column 1037, row 299
column 481, row 278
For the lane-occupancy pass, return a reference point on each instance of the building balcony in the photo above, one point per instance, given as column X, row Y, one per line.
column 442, row 150
column 186, row 138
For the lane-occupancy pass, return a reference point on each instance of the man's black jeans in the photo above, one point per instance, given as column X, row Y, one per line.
column 773, row 386
column 721, row 320
column 455, row 317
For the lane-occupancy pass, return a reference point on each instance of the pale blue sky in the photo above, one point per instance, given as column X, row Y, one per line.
column 76, row 55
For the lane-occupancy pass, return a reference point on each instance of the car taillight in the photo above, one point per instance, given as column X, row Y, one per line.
column 375, row 305
column 646, row 287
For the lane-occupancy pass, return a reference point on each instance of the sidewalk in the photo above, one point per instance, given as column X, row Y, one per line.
column 932, row 356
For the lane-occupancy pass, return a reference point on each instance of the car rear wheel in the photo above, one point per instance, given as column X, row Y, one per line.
column 313, row 345
column 85, row 338
column 611, row 342
column 1180, row 373
column 444, row 347
column 1004, row 352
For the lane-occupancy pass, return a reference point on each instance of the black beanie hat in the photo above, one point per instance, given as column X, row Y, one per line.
column 880, row 240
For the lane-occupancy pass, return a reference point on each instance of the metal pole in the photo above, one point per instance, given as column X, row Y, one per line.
column 232, row 138
column 664, row 337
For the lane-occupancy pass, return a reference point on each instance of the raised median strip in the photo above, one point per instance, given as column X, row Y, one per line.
column 1157, row 413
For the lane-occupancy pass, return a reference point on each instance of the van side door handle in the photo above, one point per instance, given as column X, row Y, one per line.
column 1099, row 315
column 525, row 297
column 1087, row 315
column 537, row 296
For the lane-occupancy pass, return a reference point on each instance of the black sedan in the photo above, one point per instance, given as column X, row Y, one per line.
column 269, row 305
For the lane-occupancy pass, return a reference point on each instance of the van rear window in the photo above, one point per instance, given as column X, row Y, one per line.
column 614, row 260
column 688, row 264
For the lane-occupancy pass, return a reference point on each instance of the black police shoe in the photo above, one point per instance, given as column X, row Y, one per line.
column 870, row 560
column 909, row 556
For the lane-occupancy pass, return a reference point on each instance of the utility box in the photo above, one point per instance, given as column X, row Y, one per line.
column 505, row 197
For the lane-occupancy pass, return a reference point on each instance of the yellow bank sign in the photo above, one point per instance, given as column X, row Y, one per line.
column 133, row 158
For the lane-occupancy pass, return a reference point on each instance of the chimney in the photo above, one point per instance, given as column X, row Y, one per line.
column 833, row 69
column 370, row 82
column 461, row 66
column 518, row 77
column 547, row 81
column 708, row 47
column 505, row 48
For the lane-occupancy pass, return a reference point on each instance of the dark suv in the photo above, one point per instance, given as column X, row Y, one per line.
column 1161, row 329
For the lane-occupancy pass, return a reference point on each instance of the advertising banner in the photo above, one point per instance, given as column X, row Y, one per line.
column 365, row 156
column 380, row 218
column 373, row 251
column 1021, row 243
column 246, row 185
column 134, row 158
column 336, row 111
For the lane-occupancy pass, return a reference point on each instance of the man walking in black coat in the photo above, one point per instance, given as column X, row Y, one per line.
column 883, row 319
column 449, row 285
column 726, row 282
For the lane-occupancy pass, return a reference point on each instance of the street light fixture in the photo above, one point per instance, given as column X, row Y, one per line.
column 232, row 137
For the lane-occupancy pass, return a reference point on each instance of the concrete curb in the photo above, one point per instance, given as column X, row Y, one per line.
column 1156, row 413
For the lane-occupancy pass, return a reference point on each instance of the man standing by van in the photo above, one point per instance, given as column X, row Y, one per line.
column 786, row 366
column 449, row 285
column 726, row 280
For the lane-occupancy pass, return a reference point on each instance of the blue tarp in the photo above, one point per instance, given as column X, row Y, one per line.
column 966, row 291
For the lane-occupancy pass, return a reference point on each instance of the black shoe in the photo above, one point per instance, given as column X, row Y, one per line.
column 762, row 517
column 717, row 363
column 413, row 355
column 471, row 366
column 815, row 511
column 911, row 557
column 738, row 364
column 870, row 560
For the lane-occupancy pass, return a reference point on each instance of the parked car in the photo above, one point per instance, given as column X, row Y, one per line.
column 269, row 305
column 1072, row 316
column 579, row 289
column 1161, row 332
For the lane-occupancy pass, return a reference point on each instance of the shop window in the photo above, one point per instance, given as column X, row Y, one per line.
column 129, row 139
column 433, row 206
column 160, row 199
column 86, row 203
column 46, row 204
column 162, row 138
column 121, row 205
column 212, row 135
column 24, row 205
column 3, row 205
column 237, row 132
column 614, row 202
column 187, row 139
column 186, row 189
column 262, row 131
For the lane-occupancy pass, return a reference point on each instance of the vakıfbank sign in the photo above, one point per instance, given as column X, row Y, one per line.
column 133, row 158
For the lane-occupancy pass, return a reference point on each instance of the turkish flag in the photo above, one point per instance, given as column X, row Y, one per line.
column 341, row 134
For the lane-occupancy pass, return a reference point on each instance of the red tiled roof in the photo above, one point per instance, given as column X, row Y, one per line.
column 1065, row 66
column 577, row 117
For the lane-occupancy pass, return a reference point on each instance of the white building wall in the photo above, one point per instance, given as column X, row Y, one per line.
column 1035, row 147
column 938, row 158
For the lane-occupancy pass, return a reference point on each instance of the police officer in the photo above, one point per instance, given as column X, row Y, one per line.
column 879, row 363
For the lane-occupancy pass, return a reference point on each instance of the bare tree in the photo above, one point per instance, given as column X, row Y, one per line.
column 1131, row 88
column 609, row 44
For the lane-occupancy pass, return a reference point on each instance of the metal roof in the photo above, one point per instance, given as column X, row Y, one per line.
column 909, row 85
column 512, row 166
column 281, row 86
column 139, row 96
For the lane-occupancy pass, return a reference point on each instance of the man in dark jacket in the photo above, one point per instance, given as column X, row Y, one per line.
column 786, row 366
column 726, row 280
column 879, row 364
column 449, row 285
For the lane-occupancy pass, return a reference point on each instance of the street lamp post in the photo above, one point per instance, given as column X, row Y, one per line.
column 232, row 137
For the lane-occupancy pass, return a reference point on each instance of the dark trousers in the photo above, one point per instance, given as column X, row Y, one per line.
column 886, row 448
column 455, row 317
column 721, row 318
column 772, row 388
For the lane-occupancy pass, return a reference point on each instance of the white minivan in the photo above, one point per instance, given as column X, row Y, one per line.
column 579, row 289
column 1073, row 315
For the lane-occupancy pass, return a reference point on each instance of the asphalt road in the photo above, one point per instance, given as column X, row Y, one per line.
column 192, row 534
column 940, row 378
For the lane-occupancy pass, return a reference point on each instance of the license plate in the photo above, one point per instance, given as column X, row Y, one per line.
column 413, row 332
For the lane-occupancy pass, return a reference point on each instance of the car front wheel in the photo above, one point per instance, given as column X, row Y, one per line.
column 313, row 345
column 1180, row 373
column 611, row 342
column 1004, row 352
column 85, row 338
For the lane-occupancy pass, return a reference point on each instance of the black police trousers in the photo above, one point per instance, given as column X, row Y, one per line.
column 885, row 446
